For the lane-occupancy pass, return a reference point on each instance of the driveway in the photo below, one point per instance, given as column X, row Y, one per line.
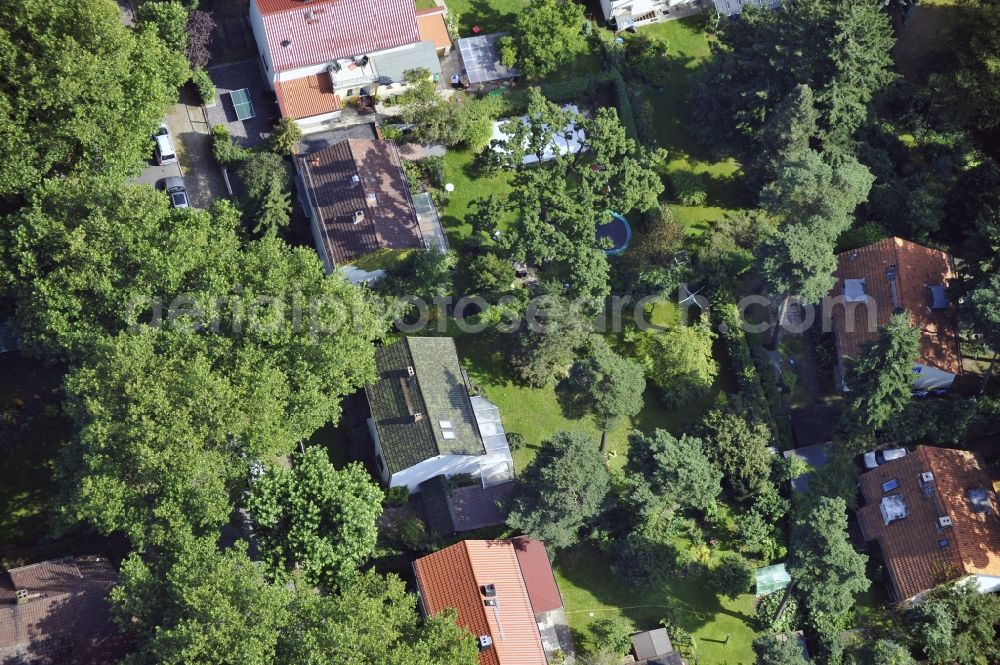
column 194, row 149
column 202, row 177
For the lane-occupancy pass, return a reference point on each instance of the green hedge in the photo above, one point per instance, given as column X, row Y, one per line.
column 624, row 104
column 752, row 365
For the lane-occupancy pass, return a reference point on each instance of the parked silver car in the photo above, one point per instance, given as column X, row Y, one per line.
column 176, row 191
column 876, row 458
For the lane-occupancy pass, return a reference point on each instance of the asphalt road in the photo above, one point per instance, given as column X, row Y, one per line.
column 153, row 173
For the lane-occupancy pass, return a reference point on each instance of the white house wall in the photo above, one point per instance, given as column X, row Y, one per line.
column 257, row 25
column 449, row 465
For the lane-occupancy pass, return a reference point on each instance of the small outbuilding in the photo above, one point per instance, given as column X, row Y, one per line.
column 653, row 647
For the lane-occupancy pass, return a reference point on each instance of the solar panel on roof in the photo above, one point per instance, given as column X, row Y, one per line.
column 890, row 485
column 481, row 58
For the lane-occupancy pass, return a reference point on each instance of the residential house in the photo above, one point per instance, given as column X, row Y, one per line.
column 894, row 276
column 433, row 28
column 315, row 53
column 653, row 647
column 452, row 507
column 935, row 518
column 56, row 613
column 358, row 202
column 504, row 593
column 734, row 8
column 631, row 14
column 423, row 422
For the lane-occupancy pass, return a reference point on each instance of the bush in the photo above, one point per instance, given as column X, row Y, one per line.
column 286, row 135
column 611, row 634
column 733, row 576
column 413, row 534
column 224, row 150
column 199, row 38
column 267, row 180
column 687, row 188
column 624, row 105
column 206, row 89
column 767, row 622
column 396, row 496
column 169, row 19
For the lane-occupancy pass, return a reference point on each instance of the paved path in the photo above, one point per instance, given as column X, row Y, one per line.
column 201, row 176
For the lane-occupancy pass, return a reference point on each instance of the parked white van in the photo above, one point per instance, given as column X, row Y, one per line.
column 164, row 151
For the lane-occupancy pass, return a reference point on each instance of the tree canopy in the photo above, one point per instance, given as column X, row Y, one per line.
column 667, row 472
column 882, row 378
column 680, row 362
column 547, row 34
column 839, row 48
column 560, row 490
column 824, row 566
column 604, row 385
column 315, row 516
column 82, row 93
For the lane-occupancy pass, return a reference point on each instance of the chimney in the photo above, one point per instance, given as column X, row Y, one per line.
column 371, row 200
column 22, row 596
column 410, row 371
column 359, row 216
column 417, row 417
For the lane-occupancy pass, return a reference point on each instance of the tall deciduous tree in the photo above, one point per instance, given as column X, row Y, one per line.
column 82, row 93
column 315, row 517
column 196, row 604
column 547, row 35
column 958, row 624
column 738, row 448
column 881, row 380
column 561, row 489
column 680, row 362
column 667, row 473
column 604, row 385
column 825, row 568
column 71, row 289
column 374, row 616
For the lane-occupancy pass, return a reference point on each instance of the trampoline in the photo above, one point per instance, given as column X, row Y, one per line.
column 618, row 231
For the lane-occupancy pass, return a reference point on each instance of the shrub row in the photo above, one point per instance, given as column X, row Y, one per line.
column 752, row 366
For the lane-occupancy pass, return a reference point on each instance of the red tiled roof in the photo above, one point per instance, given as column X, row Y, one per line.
column 432, row 28
column 911, row 547
column 379, row 192
column 917, row 267
column 452, row 577
column 307, row 96
column 66, row 618
column 539, row 579
column 325, row 30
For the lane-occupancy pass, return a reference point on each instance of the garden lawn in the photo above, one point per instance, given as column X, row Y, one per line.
column 721, row 627
column 489, row 15
column 536, row 415
column 459, row 170
column 688, row 48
